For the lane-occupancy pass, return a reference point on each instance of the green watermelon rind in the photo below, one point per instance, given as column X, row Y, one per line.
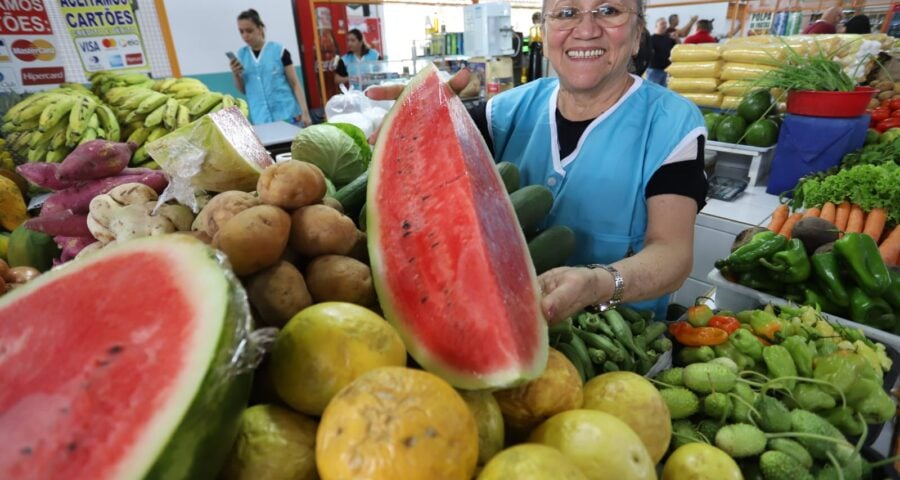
column 194, row 438
column 500, row 379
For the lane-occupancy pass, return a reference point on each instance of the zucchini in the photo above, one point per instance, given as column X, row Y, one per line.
column 532, row 204
column 510, row 175
column 551, row 248
column 353, row 195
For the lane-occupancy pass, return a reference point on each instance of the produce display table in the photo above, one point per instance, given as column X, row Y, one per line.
column 276, row 136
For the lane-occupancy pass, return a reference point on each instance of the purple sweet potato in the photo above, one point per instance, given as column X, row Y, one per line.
column 43, row 174
column 63, row 223
column 78, row 198
column 95, row 159
column 72, row 245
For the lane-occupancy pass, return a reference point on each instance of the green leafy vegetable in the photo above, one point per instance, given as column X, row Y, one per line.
column 869, row 186
column 334, row 151
column 874, row 154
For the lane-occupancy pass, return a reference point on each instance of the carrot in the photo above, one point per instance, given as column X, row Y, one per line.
column 789, row 224
column 812, row 212
column 890, row 247
column 875, row 221
column 829, row 211
column 842, row 215
column 779, row 216
column 856, row 221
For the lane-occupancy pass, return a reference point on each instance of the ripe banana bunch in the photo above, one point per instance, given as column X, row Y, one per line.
column 46, row 126
column 102, row 82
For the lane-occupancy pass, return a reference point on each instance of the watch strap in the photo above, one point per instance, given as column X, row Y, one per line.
column 618, row 287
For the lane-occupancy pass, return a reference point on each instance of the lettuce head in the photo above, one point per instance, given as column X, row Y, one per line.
column 339, row 150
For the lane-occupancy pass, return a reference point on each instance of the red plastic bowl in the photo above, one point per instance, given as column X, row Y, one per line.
column 830, row 104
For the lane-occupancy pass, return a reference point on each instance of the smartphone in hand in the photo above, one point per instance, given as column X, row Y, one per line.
column 231, row 56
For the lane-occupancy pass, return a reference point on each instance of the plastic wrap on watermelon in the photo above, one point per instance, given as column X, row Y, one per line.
column 216, row 153
column 146, row 380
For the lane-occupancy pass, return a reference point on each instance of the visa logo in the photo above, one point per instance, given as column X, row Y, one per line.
column 90, row 46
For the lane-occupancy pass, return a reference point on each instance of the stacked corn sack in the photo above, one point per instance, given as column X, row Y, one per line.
column 46, row 126
column 749, row 58
column 151, row 110
column 695, row 71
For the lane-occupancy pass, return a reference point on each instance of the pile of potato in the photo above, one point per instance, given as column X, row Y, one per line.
column 290, row 245
column 14, row 277
column 886, row 90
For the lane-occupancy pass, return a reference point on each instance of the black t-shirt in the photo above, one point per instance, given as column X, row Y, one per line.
column 662, row 48
column 285, row 57
column 640, row 61
column 686, row 178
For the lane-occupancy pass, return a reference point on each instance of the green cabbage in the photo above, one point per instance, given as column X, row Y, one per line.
column 335, row 152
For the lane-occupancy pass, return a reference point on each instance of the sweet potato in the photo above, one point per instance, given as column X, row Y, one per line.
column 95, row 159
column 321, row 230
column 43, row 174
column 220, row 209
column 291, row 184
column 278, row 293
column 78, row 198
column 64, row 223
column 335, row 278
column 254, row 238
column 72, row 246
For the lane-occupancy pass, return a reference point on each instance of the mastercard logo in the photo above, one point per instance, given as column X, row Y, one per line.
column 29, row 51
column 109, row 42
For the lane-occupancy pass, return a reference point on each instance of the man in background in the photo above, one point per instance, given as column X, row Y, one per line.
column 826, row 24
column 662, row 43
column 684, row 31
column 703, row 33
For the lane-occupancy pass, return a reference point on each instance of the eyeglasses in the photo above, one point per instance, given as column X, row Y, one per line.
column 606, row 15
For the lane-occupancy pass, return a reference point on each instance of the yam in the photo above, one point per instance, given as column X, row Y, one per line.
column 220, row 209
column 335, row 278
column 254, row 238
column 278, row 293
column 321, row 230
column 291, row 184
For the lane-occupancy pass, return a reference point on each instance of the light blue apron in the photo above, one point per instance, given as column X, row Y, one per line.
column 269, row 94
column 359, row 66
column 599, row 188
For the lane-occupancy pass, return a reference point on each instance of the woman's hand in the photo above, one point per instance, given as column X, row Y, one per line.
column 236, row 67
column 305, row 119
column 566, row 290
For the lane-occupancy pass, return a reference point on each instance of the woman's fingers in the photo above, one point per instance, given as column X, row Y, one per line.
column 459, row 80
column 561, row 289
column 384, row 92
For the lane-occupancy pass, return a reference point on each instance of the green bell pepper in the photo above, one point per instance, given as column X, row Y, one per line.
column 802, row 354
column 892, row 294
column 765, row 324
column 827, row 272
column 689, row 355
column 868, row 310
column 844, row 418
column 746, row 343
column 814, row 298
column 812, row 397
column 745, row 258
column 842, row 369
column 790, row 265
column 728, row 350
column 759, row 279
column 860, row 254
column 878, row 407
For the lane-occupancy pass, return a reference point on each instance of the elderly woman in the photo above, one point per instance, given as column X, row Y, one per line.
column 623, row 158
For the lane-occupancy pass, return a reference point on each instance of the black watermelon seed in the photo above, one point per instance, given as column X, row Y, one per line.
column 25, row 451
column 72, row 446
column 115, row 349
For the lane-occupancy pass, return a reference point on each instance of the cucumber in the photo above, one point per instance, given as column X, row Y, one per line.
column 551, row 248
column 510, row 175
column 353, row 195
column 532, row 204
column 362, row 218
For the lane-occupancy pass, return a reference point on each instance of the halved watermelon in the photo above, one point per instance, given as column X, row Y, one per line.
column 121, row 365
column 450, row 263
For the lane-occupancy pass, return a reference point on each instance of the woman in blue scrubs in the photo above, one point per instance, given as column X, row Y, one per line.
column 264, row 72
column 357, row 61
column 622, row 156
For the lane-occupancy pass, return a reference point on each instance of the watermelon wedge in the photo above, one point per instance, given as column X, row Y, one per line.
column 449, row 260
column 122, row 365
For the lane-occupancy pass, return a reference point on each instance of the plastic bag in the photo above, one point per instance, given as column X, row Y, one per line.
column 736, row 88
column 730, row 102
column 354, row 107
column 744, row 71
column 712, row 100
column 756, row 54
column 695, row 69
column 703, row 52
column 693, row 85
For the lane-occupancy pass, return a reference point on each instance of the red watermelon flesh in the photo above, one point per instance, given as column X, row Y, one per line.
column 449, row 260
column 104, row 362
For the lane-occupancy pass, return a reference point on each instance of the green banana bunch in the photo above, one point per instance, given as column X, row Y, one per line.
column 102, row 82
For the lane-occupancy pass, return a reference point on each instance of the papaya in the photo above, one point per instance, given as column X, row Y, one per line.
column 28, row 248
column 12, row 204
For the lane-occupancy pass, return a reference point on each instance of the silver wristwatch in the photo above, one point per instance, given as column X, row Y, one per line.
column 618, row 287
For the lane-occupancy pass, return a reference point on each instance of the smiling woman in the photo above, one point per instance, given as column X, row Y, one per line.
column 623, row 158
